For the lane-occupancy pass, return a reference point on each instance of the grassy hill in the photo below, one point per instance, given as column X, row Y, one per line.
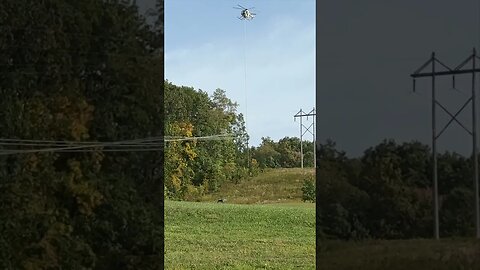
column 271, row 186
column 228, row 236
column 210, row 235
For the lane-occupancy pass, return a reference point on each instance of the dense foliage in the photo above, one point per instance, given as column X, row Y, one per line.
column 283, row 154
column 387, row 193
column 196, row 167
column 308, row 190
column 85, row 70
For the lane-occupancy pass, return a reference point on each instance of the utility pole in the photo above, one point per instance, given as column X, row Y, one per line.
column 456, row 71
column 302, row 114
column 475, row 148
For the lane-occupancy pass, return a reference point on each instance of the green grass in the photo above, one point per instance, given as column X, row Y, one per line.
column 229, row 236
column 448, row 254
column 271, row 186
column 276, row 232
column 264, row 225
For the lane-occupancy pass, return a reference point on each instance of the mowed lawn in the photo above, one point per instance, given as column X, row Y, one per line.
column 201, row 235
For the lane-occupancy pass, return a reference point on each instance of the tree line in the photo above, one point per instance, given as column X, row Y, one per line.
column 286, row 153
column 197, row 167
column 384, row 194
column 387, row 192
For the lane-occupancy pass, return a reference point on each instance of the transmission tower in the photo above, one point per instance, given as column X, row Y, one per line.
column 300, row 115
column 456, row 71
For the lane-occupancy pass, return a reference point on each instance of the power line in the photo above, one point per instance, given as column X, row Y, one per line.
column 149, row 139
column 146, row 144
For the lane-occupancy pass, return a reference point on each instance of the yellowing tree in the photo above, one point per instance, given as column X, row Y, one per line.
column 178, row 155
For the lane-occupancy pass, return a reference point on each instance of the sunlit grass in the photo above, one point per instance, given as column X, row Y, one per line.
column 228, row 236
column 271, row 186
column 277, row 232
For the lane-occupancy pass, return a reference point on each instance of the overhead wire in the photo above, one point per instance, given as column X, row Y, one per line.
column 245, row 85
column 146, row 144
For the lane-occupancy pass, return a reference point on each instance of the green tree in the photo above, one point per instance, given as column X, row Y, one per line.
column 266, row 154
column 79, row 70
column 289, row 152
column 398, row 205
column 342, row 205
column 216, row 161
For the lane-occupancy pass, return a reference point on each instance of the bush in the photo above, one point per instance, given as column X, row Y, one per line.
column 308, row 190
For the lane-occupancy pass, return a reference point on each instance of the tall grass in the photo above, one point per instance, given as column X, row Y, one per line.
column 271, row 186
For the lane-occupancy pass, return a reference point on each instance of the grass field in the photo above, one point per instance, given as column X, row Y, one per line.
column 263, row 225
column 447, row 254
column 228, row 236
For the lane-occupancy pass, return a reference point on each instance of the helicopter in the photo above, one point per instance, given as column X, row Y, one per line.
column 246, row 14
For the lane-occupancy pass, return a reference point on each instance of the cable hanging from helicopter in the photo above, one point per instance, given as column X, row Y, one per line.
column 245, row 14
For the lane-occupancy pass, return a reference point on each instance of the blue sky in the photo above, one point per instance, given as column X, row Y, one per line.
column 205, row 49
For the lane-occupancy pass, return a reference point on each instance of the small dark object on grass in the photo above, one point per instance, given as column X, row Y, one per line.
column 222, row 200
